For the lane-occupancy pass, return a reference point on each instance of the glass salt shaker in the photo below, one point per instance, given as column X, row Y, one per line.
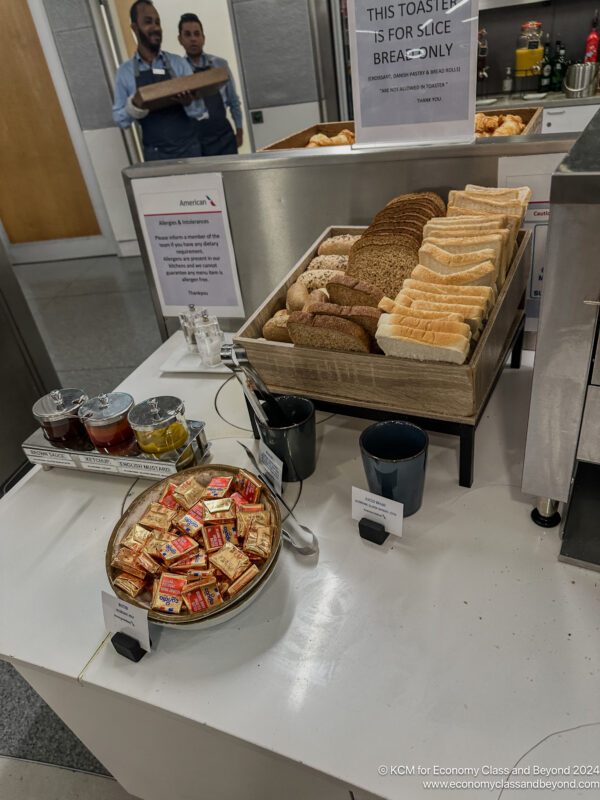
column 187, row 321
column 209, row 338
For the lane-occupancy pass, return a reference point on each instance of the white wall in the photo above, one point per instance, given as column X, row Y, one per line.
column 214, row 15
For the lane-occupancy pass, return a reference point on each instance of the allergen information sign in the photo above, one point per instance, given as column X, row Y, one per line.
column 413, row 70
column 188, row 242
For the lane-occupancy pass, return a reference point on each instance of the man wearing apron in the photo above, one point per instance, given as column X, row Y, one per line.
column 216, row 134
column 170, row 132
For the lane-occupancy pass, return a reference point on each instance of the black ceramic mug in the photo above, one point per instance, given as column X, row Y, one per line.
column 295, row 444
column 394, row 455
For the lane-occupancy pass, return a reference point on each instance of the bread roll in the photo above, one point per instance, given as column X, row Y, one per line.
column 338, row 245
column 329, row 262
column 296, row 297
column 275, row 329
column 318, row 278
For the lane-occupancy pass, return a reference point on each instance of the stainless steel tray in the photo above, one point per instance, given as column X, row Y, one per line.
column 40, row 451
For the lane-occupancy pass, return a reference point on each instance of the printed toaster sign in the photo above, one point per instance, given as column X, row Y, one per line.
column 413, row 70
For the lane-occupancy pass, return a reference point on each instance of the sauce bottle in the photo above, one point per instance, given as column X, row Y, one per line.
column 591, row 45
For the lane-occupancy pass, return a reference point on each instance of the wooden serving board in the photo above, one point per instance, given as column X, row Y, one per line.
column 400, row 385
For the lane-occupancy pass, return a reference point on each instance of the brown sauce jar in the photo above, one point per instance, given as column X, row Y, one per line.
column 57, row 415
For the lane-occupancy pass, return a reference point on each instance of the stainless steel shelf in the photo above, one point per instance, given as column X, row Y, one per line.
column 485, row 5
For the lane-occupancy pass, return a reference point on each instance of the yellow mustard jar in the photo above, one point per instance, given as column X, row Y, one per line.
column 160, row 427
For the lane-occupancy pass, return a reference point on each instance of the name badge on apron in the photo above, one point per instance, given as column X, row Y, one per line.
column 158, row 71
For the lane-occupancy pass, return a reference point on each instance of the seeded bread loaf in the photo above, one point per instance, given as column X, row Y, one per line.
column 338, row 245
column 329, row 262
column 318, row 278
column 327, row 332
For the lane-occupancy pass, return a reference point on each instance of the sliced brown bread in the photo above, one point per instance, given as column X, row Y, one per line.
column 365, row 316
column 384, row 262
column 327, row 332
column 349, row 291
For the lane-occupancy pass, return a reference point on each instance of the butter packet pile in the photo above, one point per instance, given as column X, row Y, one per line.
column 198, row 546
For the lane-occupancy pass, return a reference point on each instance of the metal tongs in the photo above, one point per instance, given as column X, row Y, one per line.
column 271, row 414
column 297, row 534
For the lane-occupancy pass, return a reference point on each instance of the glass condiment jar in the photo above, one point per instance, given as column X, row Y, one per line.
column 530, row 50
column 105, row 419
column 209, row 338
column 187, row 321
column 57, row 414
column 160, row 426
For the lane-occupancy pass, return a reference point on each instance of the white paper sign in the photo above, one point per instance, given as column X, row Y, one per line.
column 188, row 241
column 379, row 509
column 271, row 464
column 413, row 70
column 534, row 171
column 122, row 617
column 51, row 458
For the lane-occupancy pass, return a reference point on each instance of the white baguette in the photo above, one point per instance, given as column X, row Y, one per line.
column 484, row 292
column 442, row 261
column 425, row 345
column 483, row 274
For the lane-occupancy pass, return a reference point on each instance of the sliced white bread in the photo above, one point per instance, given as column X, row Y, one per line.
column 410, row 311
column 388, row 327
column 473, row 315
column 444, row 225
column 520, row 193
column 439, row 260
column 478, row 201
column 386, row 305
column 512, row 221
column 484, row 292
column 483, row 274
column 448, row 299
column 469, row 244
column 425, row 345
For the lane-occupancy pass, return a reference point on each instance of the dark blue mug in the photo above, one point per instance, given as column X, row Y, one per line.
column 295, row 444
column 394, row 455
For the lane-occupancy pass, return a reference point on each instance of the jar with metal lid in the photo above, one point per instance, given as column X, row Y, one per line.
column 57, row 414
column 105, row 419
column 530, row 50
column 160, row 426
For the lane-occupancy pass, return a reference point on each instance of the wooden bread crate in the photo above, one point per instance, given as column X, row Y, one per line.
column 302, row 138
column 202, row 84
column 531, row 116
column 426, row 388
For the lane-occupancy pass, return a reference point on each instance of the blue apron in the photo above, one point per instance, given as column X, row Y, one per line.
column 166, row 132
column 216, row 134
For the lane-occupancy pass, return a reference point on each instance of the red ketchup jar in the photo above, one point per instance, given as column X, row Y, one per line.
column 105, row 419
column 57, row 414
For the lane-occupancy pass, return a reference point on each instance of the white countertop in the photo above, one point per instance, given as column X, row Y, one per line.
column 464, row 643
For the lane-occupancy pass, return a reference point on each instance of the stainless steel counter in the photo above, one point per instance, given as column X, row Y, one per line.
column 552, row 100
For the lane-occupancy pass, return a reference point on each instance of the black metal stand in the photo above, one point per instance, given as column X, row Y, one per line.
column 465, row 430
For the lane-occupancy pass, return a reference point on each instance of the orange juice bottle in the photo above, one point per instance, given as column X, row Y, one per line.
column 530, row 50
